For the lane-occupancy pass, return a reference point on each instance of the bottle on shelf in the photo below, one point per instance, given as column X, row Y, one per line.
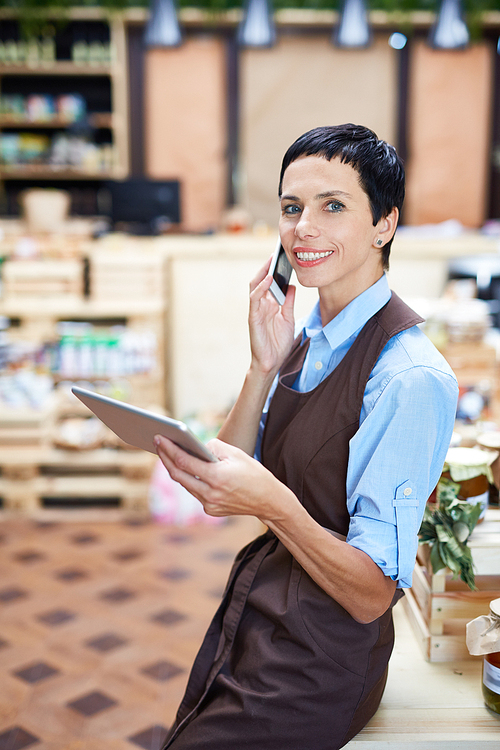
column 483, row 639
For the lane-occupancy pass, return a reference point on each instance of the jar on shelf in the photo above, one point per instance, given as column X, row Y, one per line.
column 490, row 441
column 471, row 469
column 483, row 639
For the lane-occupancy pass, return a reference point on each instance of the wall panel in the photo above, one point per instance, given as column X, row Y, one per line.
column 301, row 83
column 449, row 134
column 185, row 125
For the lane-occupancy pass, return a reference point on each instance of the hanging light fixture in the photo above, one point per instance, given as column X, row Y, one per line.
column 163, row 28
column 257, row 27
column 450, row 30
column 353, row 30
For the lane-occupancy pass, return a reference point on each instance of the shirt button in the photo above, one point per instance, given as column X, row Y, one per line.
column 407, row 492
column 318, row 365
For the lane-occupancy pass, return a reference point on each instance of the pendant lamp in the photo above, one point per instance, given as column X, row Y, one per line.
column 353, row 30
column 257, row 27
column 450, row 30
column 163, row 28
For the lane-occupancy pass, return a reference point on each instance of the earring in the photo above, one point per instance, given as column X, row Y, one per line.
column 379, row 242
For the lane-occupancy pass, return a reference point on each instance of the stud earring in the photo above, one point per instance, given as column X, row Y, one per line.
column 379, row 242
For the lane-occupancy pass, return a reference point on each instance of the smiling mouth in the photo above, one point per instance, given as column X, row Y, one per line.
column 307, row 256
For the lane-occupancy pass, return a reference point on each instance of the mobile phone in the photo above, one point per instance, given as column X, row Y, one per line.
column 280, row 270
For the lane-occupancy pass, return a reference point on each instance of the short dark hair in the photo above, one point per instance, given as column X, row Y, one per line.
column 380, row 169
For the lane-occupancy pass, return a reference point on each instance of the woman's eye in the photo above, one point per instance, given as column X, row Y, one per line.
column 290, row 210
column 334, row 206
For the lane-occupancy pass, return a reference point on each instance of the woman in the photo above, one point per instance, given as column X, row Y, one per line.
column 351, row 445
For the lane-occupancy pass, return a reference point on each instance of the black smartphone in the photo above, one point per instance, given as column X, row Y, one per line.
column 280, row 270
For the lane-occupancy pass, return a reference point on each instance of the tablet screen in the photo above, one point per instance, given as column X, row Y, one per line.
column 138, row 427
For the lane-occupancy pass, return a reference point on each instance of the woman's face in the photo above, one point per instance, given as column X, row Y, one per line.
column 327, row 231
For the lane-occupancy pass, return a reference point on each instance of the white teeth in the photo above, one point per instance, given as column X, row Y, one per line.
column 313, row 256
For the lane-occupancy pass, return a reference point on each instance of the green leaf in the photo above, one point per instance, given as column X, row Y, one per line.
column 436, row 559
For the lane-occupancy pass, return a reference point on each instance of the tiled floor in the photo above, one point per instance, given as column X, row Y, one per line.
column 99, row 624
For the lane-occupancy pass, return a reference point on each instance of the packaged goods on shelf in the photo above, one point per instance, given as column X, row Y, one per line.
column 24, row 148
column 87, row 351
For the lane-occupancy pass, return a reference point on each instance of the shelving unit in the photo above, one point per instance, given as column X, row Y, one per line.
column 104, row 87
column 41, row 473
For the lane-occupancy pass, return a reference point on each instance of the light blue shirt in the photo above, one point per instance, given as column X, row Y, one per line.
column 405, row 427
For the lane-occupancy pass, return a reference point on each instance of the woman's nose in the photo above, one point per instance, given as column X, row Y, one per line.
column 306, row 226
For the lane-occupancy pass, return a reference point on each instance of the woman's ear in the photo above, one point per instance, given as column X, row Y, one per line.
column 385, row 228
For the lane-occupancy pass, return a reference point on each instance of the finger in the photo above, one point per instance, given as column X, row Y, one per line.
column 287, row 309
column 192, row 484
column 179, row 461
column 261, row 292
column 261, row 274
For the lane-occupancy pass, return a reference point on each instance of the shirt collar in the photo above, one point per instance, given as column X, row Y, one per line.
column 352, row 318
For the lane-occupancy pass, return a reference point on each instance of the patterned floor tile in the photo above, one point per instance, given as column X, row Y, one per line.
column 36, row 672
column 56, row 617
column 117, row 595
column 92, row 703
column 127, row 555
column 106, row 642
column 17, row 738
column 12, row 594
column 175, row 574
column 162, row 671
column 168, row 617
column 151, row 738
column 29, row 556
column 85, row 538
column 71, row 574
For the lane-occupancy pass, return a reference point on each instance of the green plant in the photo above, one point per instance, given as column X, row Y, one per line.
column 446, row 527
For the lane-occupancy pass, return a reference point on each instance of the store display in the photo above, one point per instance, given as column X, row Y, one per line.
column 483, row 639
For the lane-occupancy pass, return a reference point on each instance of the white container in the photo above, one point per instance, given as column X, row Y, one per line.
column 45, row 209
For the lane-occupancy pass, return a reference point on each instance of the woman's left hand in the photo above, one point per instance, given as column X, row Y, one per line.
column 235, row 485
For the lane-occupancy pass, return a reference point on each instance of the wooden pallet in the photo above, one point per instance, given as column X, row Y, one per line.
column 43, row 278
column 126, row 275
column 439, row 607
column 26, row 427
column 35, row 480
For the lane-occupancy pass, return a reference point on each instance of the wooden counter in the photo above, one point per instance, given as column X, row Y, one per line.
column 429, row 706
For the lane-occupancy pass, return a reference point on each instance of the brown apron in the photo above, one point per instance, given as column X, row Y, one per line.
column 283, row 666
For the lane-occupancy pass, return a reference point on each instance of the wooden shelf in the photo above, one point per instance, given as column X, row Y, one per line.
column 56, row 68
column 81, row 309
column 95, row 119
column 47, row 172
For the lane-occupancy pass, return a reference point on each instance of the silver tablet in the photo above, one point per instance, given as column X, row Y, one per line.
column 138, row 427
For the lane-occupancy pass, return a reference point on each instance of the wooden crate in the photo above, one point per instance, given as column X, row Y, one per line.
column 126, row 275
column 26, row 427
column 33, row 480
column 439, row 607
column 43, row 278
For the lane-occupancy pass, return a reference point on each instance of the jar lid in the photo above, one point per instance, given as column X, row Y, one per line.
column 489, row 439
column 472, row 457
column 495, row 607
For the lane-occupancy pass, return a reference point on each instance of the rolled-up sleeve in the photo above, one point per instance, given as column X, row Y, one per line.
column 395, row 460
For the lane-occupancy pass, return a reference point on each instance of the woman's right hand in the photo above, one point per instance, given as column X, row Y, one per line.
column 271, row 326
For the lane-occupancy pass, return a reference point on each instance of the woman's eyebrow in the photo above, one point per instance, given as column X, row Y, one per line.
column 333, row 194
column 319, row 196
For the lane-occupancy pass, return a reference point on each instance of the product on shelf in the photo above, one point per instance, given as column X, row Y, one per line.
column 87, row 351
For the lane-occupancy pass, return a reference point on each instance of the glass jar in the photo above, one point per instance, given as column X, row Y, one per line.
column 491, row 666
